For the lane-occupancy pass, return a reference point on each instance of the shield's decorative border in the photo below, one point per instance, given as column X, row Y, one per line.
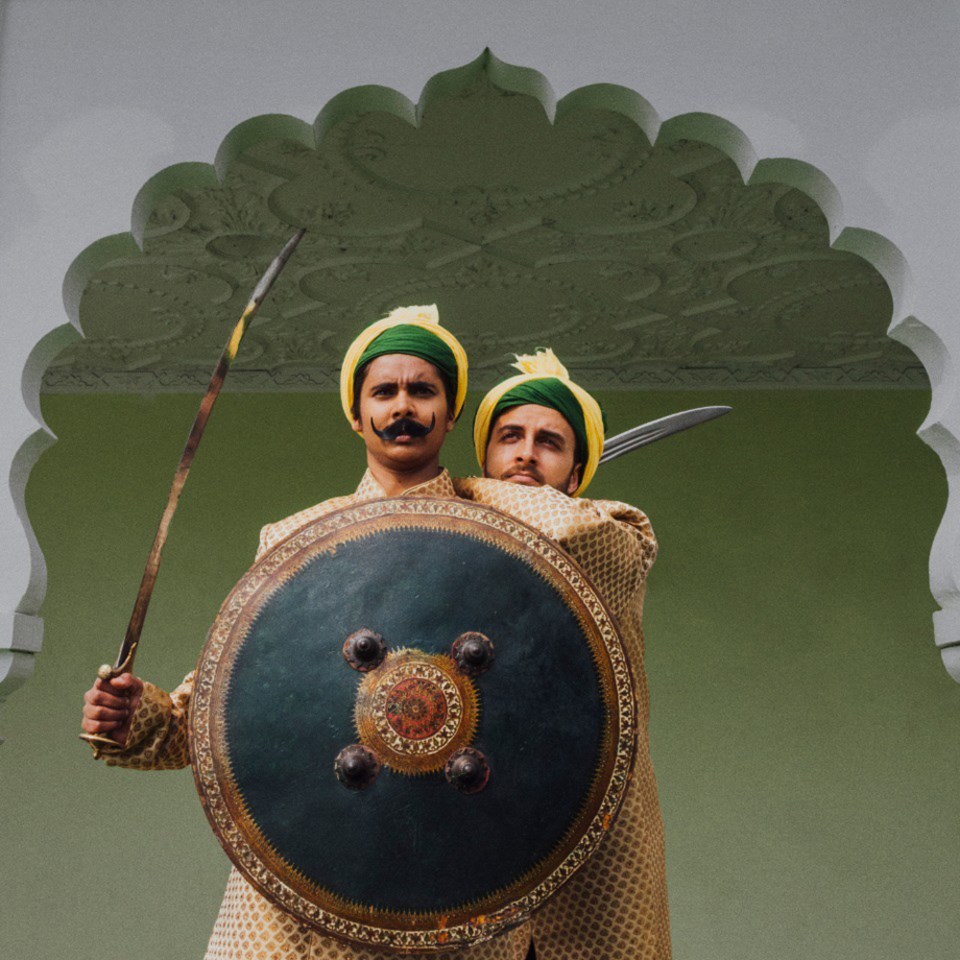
column 251, row 852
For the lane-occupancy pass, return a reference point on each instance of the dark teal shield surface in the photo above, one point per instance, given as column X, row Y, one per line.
column 412, row 722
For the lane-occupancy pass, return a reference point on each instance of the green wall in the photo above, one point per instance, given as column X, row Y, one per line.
column 803, row 728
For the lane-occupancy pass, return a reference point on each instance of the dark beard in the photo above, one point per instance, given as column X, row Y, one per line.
column 403, row 426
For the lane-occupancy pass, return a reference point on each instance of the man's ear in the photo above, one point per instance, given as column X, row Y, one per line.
column 451, row 420
column 357, row 425
column 574, row 479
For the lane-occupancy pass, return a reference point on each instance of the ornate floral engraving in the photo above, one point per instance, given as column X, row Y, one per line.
column 415, row 710
column 523, row 231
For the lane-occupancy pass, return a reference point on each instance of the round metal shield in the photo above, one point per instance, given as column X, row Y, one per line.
column 412, row 721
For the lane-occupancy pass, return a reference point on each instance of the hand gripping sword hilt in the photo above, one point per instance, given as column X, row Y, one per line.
column 105, row 672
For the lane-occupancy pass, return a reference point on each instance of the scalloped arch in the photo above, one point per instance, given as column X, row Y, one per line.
column 664, row 249
column 642, row 209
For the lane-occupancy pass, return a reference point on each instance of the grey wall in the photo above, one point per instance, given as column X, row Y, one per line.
column 95, row 97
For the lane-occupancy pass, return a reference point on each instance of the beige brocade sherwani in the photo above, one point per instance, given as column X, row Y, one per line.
column 615, row 907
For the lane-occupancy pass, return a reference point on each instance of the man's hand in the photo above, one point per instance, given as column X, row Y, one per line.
column 109, row 706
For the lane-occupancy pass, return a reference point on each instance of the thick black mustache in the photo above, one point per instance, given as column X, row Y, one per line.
column 405, row 426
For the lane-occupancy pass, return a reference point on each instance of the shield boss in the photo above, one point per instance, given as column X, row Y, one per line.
column 412, row 722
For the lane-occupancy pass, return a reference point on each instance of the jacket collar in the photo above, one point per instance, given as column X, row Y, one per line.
column 440, row 486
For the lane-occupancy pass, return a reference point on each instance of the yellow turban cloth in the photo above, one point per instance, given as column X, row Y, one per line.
column 544, row 380
column 425, row 338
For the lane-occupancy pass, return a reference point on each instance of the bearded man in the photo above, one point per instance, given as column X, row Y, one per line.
column 403, row 384
column 538, row 439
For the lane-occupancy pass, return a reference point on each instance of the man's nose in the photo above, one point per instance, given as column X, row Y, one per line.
column 403, row 405
column 526, row 452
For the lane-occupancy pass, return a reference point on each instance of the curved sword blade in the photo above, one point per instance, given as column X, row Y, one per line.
column 658, row 429
column 132, row 638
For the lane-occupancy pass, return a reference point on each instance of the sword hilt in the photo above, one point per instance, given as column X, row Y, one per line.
column 98, row 742
column 106, row 672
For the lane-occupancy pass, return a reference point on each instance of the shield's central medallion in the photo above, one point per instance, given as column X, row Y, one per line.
column 415, row 710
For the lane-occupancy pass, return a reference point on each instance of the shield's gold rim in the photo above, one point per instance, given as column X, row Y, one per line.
column 250, row 851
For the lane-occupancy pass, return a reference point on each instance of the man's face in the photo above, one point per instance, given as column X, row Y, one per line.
column 398, row 387
column 534, row 446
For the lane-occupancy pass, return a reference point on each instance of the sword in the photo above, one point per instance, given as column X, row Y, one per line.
column 658, row 429
column 128, row 649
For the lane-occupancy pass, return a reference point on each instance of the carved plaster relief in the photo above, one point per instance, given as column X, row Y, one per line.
column 644, row 261
column 648, row 255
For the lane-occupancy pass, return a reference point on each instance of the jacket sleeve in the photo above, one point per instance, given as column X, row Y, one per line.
column 159, row 733
column 612, row 541
column 159, row 737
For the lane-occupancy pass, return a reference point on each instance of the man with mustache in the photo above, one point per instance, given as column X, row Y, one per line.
column 403, row 384
column 538, row 439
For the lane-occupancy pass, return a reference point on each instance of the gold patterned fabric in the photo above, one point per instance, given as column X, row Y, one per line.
column 248, row 926
column 615, row 906
column 158, row 738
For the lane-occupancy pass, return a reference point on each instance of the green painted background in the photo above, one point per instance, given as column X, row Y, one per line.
column 804, row 731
